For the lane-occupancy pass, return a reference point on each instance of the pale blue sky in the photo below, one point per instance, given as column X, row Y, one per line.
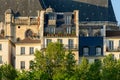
column 116, row 6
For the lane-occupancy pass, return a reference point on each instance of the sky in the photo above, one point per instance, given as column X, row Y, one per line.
column 116, row 6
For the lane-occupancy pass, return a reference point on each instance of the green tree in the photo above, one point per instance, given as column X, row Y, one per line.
column 95, row 70
column 118, row 69
column 83, row 70
column 53, row 61
column 8, row 72
column 109, row 69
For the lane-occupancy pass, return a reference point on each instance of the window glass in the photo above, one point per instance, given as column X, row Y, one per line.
column 31, row 50
column 31, row 63
column 22, row 50
column 98, row 51
column 22, row 64
column 85, row 51
column 60, row 41
column 48, row 41
column 111, row 45
column 70, row 43
column 0, row 59
column 0, row 46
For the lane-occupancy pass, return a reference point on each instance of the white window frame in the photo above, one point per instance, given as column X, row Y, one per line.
column 98, row 51
column 86, row 51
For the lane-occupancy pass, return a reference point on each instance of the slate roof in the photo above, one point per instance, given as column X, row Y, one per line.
column 113, row 33
column 20, row 7
column 90, row 10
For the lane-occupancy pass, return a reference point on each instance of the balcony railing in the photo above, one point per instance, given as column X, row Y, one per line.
column 59, row 35
column 114, row 49
column 66, row 46
column 109, row 23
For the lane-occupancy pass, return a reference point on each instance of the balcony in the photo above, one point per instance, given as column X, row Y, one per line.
column 59, row 35
column 66, row 47
column 115, row 49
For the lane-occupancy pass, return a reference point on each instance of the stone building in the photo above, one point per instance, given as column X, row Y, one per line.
column 80, row 25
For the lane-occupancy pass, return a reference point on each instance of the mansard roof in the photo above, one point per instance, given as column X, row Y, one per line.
column 112, row 34
column 90, row 10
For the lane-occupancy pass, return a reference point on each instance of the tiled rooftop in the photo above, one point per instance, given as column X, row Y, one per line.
column 20, row 7
column 90, row 10
column 28, row 40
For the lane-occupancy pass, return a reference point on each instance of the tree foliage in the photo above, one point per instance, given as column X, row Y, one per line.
column 55, row 63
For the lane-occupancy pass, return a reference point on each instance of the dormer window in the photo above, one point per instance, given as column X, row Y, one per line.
column 52, row 16
column 68, row 19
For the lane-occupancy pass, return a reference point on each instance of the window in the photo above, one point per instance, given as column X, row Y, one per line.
column 48, row 41
column 22, row 64
column 52, row 16
column 68, row 19
column 0, row 59
column 70, row 43
column 119, row 56
column 0, row 46
column 60, row 41
column 98, row 51
column 68, row 30
column 28, row 33
column 111, row 45
column 31, row 50
column 119, row 44
column 31, row 63
column 85, row 51
column 52, row 30
column 22, row 50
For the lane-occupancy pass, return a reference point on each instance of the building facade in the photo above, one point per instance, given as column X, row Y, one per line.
column 7, row 50
column 80, row 25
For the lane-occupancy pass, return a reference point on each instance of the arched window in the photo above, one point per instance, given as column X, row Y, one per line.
column 98, row 51
column 86, row 51
column 28, row 33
